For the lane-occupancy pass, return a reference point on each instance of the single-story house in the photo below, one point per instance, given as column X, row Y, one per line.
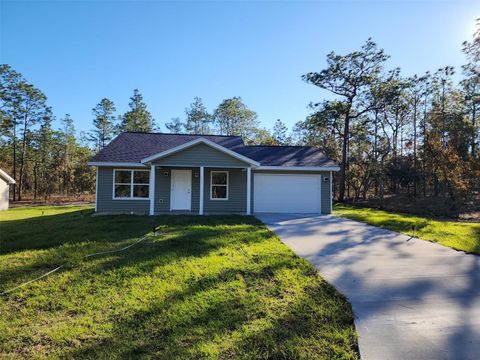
column 156, row 173
column 5, row 182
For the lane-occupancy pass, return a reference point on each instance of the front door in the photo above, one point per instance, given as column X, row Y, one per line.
column 181, row 190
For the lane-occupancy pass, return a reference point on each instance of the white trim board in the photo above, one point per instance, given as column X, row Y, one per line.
column 132, row 183
column 299, row 168
column 96, row 188
column 7, row 177
column 115, row 164
column 212, row 185
column 200, row 140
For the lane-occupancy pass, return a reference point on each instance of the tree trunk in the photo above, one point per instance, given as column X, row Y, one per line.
column 14, row 160
column 375, row 153
column 415, row 148
column 343, row 166
column 474, row 137
column 35, row 181
column 23, row 160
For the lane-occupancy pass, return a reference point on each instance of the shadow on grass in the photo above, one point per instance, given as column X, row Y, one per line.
column 68, row 237
column 46, row 232
column 264, row 303
column 188, row 323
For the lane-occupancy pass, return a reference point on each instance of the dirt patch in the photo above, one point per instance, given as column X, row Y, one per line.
column 86, row 199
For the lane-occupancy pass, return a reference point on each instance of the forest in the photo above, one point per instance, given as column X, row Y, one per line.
column 404, row 142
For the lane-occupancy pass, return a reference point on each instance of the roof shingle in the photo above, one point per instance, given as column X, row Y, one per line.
column 135, row 146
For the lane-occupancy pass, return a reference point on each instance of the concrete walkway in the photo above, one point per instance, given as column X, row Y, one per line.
column 412, row 299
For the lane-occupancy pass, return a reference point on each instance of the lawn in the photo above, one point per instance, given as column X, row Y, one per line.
column 212, row 287
column 457, row 235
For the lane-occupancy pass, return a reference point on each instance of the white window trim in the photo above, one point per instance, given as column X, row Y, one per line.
column 131, row 185
column 212, row 185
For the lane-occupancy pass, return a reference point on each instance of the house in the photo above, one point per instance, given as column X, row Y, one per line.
column 5, row 182
column 155, row 173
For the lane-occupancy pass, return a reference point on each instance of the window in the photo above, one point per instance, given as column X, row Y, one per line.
column 131, row 184
column 219, row 185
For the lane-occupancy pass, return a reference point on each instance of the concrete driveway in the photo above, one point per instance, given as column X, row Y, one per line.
column 412, row 299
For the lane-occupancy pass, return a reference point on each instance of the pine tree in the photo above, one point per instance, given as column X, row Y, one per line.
column 233, row 117
column 104, row 123
column 280, row 132
column 350, row 77
column 69, row 145
column 198, row 120
column 175, row 126
column 138, row 118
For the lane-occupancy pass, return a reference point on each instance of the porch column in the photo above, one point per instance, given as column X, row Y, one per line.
column 152, row 189
column 249, row 183
column 200, row 210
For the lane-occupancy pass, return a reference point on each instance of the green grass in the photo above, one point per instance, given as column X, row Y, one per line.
column 213, row 287
column 457, row 235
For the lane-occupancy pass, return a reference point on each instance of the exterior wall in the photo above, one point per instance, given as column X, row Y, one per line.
column 105, row 201
column 4, row 188
column 237, row 192
column 163, row 178
column 200, row 155
column 325, row 195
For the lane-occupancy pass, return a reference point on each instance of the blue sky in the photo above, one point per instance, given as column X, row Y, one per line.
column 80, row 52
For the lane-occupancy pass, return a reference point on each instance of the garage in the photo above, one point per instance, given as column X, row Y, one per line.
column 287, row 193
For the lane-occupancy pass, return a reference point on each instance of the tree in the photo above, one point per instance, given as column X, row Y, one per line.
column 198, row 120
column 45, row 162
column 233, row 117
column 69, row 147
column 138, row 118
column 261, row 136
column 280, row 133
column 10, row 81
column 175, row 126
column 30, row 107
column 350, row 77
column 103, row 122
column 471, row 84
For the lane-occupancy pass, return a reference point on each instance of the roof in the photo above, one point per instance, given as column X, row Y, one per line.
column 287, row 155
column 8, row 179
column 133, row 147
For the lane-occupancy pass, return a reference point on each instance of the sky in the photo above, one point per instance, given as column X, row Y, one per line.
column 80, row 52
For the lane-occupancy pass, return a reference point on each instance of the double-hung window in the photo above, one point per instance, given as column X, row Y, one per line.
column 219, row 185
column 131, row 184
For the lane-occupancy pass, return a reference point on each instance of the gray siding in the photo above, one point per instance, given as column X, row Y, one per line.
column 237, row 193
column 325, row 186
column 105, row 201
column 237, row 186
column 200, row 155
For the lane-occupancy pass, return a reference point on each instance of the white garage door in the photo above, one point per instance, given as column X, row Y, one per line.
column 290, row 193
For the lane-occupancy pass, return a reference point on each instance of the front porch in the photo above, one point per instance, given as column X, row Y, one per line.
column 200, row 190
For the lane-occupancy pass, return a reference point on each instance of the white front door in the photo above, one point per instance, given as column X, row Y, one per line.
column 181, row 190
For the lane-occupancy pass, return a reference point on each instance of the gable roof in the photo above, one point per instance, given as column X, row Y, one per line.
column 201, row 140
column 134, row 149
